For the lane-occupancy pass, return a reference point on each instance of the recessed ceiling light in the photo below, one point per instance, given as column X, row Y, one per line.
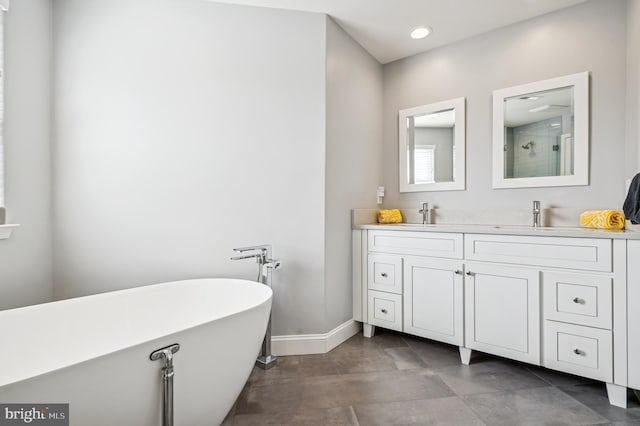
column 420, row 32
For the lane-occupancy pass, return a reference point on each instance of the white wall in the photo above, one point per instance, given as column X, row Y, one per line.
column 633, row 88
column 354, row 137
column 588, row 37
column 25, row 259
column 184, row 129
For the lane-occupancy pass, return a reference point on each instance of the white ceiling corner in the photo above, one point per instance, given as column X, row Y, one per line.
column 382, row 26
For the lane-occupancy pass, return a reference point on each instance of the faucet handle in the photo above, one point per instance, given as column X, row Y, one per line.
column 262, row 248
column 248, row 256
column 425, row 208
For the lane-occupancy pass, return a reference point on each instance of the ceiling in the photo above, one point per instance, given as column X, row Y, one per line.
column 536, row 107
column 382, row 26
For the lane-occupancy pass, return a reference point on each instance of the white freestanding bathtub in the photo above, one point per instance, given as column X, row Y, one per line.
column 93, row 352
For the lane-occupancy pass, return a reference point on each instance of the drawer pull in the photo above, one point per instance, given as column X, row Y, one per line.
column 384, row 274
column 384, row 311
column 578, row 300
column 457, row 272
column 469, row 273
column 578, row 352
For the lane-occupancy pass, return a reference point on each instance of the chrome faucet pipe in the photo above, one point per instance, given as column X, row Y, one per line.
column 424, row 211
column 536, row 214
column 166, row 355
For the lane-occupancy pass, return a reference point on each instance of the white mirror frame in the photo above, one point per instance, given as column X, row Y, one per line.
column 580, row 83
column 458, row 105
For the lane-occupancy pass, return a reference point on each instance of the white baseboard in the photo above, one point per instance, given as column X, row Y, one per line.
column 306, row 344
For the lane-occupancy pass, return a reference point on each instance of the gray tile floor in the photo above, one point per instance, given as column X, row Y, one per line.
column 396, row 379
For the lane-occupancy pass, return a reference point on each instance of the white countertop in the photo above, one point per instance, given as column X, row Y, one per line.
column 547, row 231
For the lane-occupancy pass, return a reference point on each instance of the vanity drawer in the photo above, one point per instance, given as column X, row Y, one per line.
column 575, row 349
column 384, row 273
column 573, row 253
column 578, row 299
column 385, row 310
column 434, row 244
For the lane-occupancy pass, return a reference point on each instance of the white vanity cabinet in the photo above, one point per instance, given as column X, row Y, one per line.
column 553, row 299
column 414, row 283
column 504, row 302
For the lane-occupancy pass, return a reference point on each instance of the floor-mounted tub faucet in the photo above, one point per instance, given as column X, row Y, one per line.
column 424, row 211
column 166, row 355
column 536, row 214
column 266, row 264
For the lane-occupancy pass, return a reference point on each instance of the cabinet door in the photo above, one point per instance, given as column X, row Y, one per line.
column 502, row 311
column 433, row 303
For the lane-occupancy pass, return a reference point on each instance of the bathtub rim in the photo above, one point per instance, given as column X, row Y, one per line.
column 7, row 379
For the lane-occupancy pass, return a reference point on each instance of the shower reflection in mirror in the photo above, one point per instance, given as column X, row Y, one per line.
column 541, row 133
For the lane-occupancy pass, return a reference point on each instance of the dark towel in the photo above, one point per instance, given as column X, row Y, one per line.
column 631, row 206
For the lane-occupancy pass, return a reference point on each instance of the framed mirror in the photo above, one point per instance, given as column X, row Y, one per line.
column 541, row 133
column 432, row 147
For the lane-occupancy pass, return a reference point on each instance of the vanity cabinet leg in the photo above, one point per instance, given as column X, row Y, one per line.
column 368, row 330
column 465, row 355
column 637, row 394
column 617, row 395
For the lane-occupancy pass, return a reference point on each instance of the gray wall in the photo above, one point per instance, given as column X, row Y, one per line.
column 514, row 55
column 180, row 135
column 633, row 88
column 354, row 138
column 25, row 268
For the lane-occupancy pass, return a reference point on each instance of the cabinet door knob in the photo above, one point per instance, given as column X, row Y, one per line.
column 577, row 300
column 457, row 272
column 469, row 273
column 578, row 352
column 384, row 274
column 384, row 311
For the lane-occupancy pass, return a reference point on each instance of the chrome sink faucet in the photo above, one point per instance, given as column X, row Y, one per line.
column 536, row 214
column 424, row 211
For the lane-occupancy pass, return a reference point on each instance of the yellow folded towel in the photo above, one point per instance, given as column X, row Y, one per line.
column 604, row 219
column 389, row 216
